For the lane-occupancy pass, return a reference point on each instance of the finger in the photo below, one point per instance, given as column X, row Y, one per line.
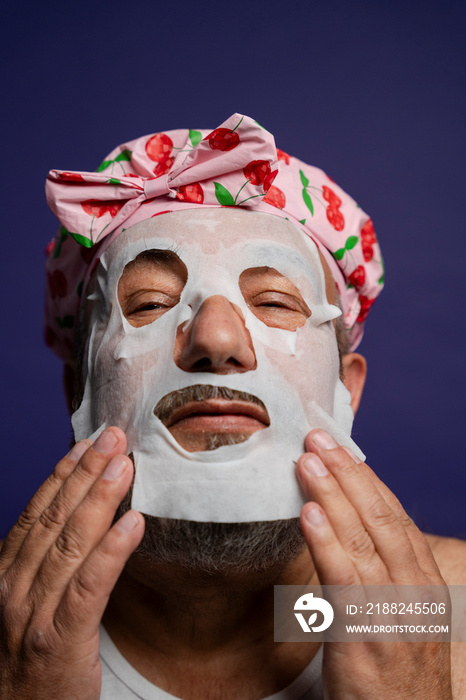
column 418, row 541
column 333, row 566
column 387, row 533
column 320, row 485
column 87, row 526
column 81, row 609
column 52, row 520
column 39, row 502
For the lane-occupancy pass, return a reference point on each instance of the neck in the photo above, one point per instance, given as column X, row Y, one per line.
column 166, row 619
column 166, row 602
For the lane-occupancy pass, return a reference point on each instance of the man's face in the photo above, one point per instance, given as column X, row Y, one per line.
column 212, row 346
column 216, row 341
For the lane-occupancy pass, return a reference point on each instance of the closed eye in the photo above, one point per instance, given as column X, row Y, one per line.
column 278, row 300
column 273, row 298
column 151, row 306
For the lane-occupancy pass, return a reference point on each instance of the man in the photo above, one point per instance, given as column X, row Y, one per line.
column 212, row 336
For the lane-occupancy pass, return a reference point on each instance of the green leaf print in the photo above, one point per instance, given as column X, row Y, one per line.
column 114, row 181
column 351, row 242
column 338, row 254
column 195, row 137
column 57, row 249
column 304, row 179
column 65, row 322
column 124, row 155
column 82, row 240
column 104, row 165
column 308, row 201
column 223, row 196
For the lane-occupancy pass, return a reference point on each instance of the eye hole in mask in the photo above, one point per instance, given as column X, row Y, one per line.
column 273, row 298
column 151, row 285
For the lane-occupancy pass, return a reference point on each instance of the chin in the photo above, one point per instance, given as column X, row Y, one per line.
column 210, row 441
column 215, row 548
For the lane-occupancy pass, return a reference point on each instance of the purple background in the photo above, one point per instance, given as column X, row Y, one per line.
column 374, row 93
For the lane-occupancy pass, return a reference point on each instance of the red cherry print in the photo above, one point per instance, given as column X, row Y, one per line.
column 114, row 208
column 50, row 247
column 159, row 147
column 98, row 208
column 336, row 218
column 50, row 337
column 222, row 139
column 257, row 171
column 368, row 233
column 71, row 177
column 166, row 211
column 366, row 304
column 358, row 277
column 275, row 197
column 267, row 184
column 191, row 193
column 163, row 167
column 57, row 284
column 367, row 250
column 281, row 155
column 333, row 199
column 94, row 208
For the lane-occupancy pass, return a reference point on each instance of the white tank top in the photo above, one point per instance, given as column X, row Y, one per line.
column 120, row 681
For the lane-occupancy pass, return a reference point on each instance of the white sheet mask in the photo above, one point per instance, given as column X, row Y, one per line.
column 296, row 375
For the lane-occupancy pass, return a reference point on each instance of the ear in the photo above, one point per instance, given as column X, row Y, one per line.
column 69, row 378
column 354, row 376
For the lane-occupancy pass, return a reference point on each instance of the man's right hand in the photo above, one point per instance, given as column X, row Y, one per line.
column 58, row 566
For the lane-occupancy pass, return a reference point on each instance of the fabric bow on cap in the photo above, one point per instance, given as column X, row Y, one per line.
column 234, row 165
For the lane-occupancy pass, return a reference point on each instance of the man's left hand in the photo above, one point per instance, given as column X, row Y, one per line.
column 359, row 534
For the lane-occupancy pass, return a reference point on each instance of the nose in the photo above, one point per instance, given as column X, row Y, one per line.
column 216, row 340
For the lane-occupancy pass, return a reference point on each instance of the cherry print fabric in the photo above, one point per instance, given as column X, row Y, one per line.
column 235, row 165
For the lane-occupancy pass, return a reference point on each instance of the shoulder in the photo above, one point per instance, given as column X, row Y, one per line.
column 450, row 555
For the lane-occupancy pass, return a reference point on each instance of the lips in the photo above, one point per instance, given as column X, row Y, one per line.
column 208, row 408
column 226, row 413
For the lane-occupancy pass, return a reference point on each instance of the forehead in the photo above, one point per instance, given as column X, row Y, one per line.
column 219, row 232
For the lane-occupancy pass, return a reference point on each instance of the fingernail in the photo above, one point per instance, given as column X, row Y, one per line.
column 114, row 468
column 351, row 454
column 105, row 442
column 78, row 450
column 128, row 522
column 314, row 516
column 324, row 440
column 315, row 466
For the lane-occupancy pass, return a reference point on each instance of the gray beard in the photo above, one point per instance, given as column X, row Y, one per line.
column 221, row 547
column 214, row 548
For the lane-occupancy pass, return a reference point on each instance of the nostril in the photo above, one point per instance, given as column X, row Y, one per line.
column 204, row 363
column 207, row 363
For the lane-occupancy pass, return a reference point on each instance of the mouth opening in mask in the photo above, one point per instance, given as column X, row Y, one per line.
column 203, row 417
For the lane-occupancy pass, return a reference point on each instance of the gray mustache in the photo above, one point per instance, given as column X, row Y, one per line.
column 199, row 392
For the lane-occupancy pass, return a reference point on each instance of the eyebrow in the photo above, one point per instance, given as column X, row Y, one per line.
column 156, row 256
